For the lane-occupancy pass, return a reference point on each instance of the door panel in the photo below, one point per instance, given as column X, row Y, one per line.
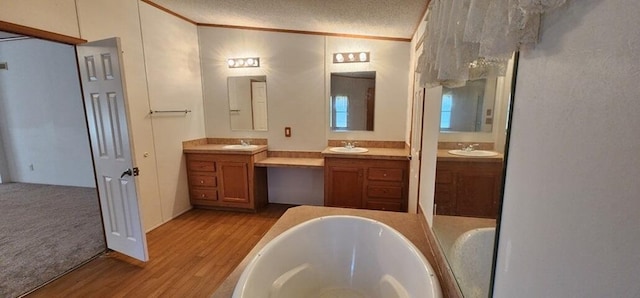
column 346, row 187
column 234, row 178
column 259, row 102
column 105, row 106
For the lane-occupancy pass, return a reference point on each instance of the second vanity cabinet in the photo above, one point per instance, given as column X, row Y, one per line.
column 228, row 181
column 366, row 183
column 468, row 188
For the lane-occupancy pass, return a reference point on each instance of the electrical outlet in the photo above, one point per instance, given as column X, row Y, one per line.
column 287, row 132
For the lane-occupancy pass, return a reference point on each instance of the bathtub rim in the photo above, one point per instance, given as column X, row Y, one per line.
column 433, row 277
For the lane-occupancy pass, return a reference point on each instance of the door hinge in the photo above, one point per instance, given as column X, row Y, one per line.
column 136, row 171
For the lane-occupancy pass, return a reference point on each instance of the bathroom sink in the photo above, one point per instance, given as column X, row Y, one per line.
column 349, row 150
column 474, row 153
column 240, row 146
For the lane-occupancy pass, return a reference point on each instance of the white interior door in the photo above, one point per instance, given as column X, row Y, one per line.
column 259, row 105
column 105, row 103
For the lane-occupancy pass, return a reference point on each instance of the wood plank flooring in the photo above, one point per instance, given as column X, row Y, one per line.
column 190, row 256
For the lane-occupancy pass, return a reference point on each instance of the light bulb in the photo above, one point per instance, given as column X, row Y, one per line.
column 230, row 62
column 240, row 62
column 339, row 58
column 363, row 56
column 351, row 57
column 250, row 61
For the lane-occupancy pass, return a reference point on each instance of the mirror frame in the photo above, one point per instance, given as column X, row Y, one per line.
column 511, row 102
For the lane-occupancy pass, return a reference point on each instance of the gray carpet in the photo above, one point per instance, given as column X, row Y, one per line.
column 45, row 230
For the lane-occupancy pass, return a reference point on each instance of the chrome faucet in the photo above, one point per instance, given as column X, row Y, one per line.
column 469, row 147
column 245, row 143
column 349, row 144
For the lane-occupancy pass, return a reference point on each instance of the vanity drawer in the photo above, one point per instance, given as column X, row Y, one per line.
column 201, row 166
column 385, row 174
column 384, row 205
column 203, row 180
column 389, row 192
column 204, row 194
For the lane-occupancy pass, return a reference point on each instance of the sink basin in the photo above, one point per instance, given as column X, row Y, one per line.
column 239, row 146
column 474, row 153
column 349, row 150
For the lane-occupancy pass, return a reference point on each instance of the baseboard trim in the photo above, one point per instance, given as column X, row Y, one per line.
column 168, row 220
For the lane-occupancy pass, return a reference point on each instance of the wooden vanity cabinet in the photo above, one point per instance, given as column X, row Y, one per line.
column 366, row 183
column 226, row 181
column 467, row 188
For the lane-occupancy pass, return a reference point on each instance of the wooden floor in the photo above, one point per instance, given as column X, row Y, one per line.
column 190, row 256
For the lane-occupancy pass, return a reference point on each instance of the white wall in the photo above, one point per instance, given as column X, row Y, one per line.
column 296, row 186
column 4, row 165
column 570, row 224
column 390, row 60
column 172, row 60
column 42, row 118
column 57, row 16
column 294, row 67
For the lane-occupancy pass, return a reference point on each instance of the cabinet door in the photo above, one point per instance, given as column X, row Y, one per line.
column 345, row 187
column 234, row 181
column 477, row 193
column 444, row 197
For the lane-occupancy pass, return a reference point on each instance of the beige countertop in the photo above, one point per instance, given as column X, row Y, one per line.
column 444, row 155
column 373, row 153
column 291, row 162
column 410, row 225
column 219, row 149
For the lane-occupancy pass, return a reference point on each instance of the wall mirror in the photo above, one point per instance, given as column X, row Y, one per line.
column 468, row 190
column 248, row 102
column 352, row 102
column 469, row 108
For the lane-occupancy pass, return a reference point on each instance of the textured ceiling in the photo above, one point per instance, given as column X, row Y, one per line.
column 386, row 18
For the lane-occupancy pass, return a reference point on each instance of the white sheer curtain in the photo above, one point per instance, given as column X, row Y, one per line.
column 471, row 39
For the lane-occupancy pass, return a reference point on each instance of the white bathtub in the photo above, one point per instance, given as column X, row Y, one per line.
column 338, row 256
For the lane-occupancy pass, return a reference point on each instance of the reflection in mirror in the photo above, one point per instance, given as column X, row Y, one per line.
column 468, row 189
column 469, row 108
column 352, row 100
column 248, row 102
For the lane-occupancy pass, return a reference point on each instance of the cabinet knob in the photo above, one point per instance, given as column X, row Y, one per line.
column 385, row 174
column 202, row 195
column 201, row 181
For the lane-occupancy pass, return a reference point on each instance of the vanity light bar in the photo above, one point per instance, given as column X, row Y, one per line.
column 243, row 62
column 351, row 57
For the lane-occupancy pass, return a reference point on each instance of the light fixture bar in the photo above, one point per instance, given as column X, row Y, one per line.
column 243, row 62
column 351, row 57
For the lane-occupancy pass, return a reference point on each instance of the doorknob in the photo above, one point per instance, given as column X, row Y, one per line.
column 128, row 172
column 131, row 172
